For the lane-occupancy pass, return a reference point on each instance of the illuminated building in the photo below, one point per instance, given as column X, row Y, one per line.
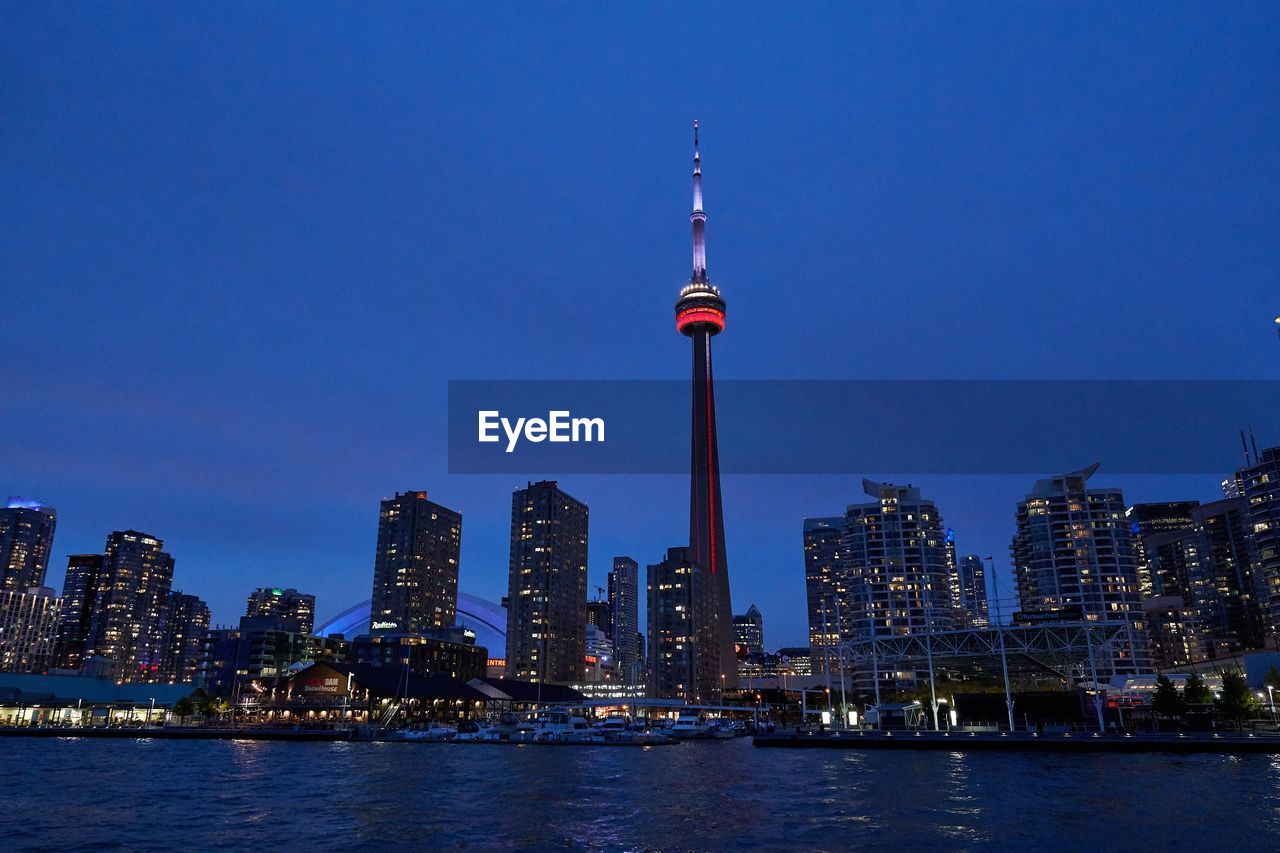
column 823, row 581
column 1260, row 485
column 415, row 570
column 1074, row 560
column 673, row 652
column 26, row 535
column 748, row 632
column 598, row 660
column 261, row 650
column 973, row 590
column 284, row 604
column 624, row 605
column 547, row 585
column 1174, row 628
column 79, row 598
column 133, row 592
column 600, row 614
column 452, row 652
column 700, row 313
column 184, row 630
column 1152, row 518
column 331, row 692
column 28, row 629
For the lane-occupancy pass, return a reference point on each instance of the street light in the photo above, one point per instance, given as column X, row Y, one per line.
column 1271, row 691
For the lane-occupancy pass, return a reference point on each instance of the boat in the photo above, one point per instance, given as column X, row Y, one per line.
column 721, row 730
column 688, row 725
column 564, row 727
column 433, row 733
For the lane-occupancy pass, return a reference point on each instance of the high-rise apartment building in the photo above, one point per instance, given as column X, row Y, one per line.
column 283, row 604
column 28, row 629
column 673, row 647
column 26, row 537
column 184, row 631
column 415, row 572
column 1260, row 487
column 79, row 600
column 133, row 595
column 1074, row 559
column 1149, row 519
column 547, row 585
column 624, row 606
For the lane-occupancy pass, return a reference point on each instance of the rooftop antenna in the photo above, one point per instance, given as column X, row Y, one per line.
column 1245, row 445
column 1254, row 439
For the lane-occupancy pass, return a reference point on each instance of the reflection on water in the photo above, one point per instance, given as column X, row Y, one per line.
column 197, row 795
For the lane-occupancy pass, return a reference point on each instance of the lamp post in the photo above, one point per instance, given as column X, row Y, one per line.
column 1271, row 691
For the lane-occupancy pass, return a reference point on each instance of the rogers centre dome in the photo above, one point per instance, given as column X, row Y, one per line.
column 486, row 618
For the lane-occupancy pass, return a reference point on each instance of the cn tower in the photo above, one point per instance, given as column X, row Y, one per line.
column 700, row 316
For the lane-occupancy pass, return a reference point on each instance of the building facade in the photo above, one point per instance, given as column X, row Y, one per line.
column 79, row 601
column 1260, row 486
column 451, row 652
column 1148, row 520
column 283, row 604
column 973, row 591
column 415, row 572
column 260, row 651
column 183, row 632
column 823, row 578
column 673, row 648
column 28, row 629
column 26, row 538
column 547, row 585
column 624, row 606
column 748, row 632
column 1074, row 560
column 126, row 629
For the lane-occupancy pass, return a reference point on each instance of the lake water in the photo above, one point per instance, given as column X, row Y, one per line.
column 201, row 795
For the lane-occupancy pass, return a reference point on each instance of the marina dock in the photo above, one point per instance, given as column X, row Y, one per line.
column 1232, row 742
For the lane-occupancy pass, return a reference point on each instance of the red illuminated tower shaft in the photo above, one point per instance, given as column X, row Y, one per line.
column 700, row 315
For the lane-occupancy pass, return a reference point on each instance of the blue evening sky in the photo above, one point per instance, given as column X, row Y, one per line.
column 245, row 245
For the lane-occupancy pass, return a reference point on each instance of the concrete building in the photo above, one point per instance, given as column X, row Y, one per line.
column 1074, row 560
column 26, row 537
column 673, row 647
column 824, row 579
column 299, row 607
column 28, row 629
column 1150, row 519
column 261, row 650
column 452, row 652
column 547, row 585
column 415, row 572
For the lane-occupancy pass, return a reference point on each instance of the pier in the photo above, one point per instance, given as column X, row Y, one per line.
column 955, row 741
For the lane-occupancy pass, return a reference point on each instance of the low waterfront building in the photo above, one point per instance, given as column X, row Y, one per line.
column 34, row 699
column 336, row 694
column 510, row 694
column 261, row 650
column 452, row 652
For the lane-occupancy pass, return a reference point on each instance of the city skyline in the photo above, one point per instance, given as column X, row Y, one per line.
column 973, row 209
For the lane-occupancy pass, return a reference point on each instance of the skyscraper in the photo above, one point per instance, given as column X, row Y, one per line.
column 1152, row 518
column 1074, row 560
column 624, row 604
column 184, row 630
column 748, row 631
column 415, row 570
column 600, row 614
column 133, row 594
column 673, row 651
column 547, row 585
column 973, row 588
column 823, row 578
column 26, row 535
column 79, row 600
column 700, row 314
column 298, row 607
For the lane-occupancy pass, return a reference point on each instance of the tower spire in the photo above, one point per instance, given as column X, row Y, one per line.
column 698, row 218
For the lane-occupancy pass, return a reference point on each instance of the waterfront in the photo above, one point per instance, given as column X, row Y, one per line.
column 193, row 795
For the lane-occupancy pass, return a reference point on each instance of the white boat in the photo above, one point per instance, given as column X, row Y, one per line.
column 472, row 731
column 688, row 725
column 721, row 730
column 433, row 733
